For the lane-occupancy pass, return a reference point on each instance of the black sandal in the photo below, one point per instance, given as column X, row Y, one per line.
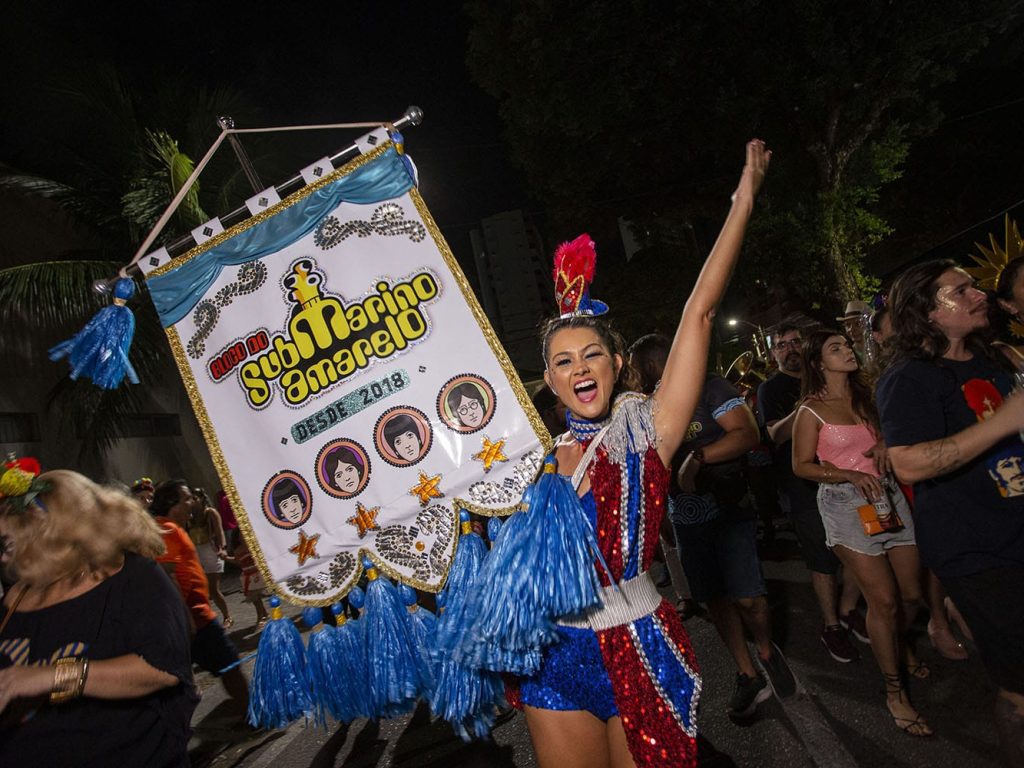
column 916, row 726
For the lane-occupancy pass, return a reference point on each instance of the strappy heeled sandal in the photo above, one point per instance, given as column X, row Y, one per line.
column 912, row 726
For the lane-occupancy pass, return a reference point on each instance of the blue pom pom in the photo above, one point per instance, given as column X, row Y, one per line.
column 494, row 527
column 408, row 595
column 323, row 670
column 312, row 616
column 422, row 626
column 336, row 671
column 356, row 598
column 464, row 696
column 392, row 675
column 100, row 350
column 351, row 690
column 278, row 692
column 541, row 568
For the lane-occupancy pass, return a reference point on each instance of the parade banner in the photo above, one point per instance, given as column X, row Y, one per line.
column 352, row 393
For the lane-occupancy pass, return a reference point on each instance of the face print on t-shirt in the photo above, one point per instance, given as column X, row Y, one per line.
column 1007, row 469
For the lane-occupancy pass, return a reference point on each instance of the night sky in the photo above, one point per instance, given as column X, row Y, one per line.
column 304, row 63
column 315, row 62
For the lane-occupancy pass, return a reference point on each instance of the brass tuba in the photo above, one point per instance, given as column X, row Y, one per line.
column 747, row 370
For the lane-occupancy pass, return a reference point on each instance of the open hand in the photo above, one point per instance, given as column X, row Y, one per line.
column 758, row 159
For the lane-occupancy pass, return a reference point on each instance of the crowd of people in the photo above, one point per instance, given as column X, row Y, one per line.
column 895, row 444
column 107, row 608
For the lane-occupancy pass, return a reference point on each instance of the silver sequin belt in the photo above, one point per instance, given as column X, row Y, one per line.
column 634, row 599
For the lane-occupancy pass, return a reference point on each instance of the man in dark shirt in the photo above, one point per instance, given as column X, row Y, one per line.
column 777, row 398
column 952, row 426
column 716, row 534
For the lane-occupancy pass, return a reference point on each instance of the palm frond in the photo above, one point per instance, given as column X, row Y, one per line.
column 36, row 185
column 49, row 295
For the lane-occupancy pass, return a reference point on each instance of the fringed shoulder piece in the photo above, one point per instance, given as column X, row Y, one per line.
column 632, row 426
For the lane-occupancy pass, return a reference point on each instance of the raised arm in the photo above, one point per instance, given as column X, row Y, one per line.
column 684, row 372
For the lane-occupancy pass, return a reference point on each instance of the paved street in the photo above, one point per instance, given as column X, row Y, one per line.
column 840, row 720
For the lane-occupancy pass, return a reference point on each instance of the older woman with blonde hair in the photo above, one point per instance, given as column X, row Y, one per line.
column 94, row 664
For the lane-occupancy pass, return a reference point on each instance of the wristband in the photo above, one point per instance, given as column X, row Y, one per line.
column 69, row 676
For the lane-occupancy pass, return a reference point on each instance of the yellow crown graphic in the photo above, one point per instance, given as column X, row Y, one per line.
column 304, row 284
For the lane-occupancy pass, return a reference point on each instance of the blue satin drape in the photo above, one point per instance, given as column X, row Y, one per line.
column 175, row 293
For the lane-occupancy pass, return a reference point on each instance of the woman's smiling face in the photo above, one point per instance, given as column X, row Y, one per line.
column 581, row 371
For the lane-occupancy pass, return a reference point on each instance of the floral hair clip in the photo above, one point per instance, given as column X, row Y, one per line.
column 142, row 484
column 20, row 484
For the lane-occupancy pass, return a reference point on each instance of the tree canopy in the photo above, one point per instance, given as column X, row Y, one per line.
column 640, row 109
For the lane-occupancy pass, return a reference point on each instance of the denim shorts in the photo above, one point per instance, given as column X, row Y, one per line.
column 720, row 559
column 838, row 506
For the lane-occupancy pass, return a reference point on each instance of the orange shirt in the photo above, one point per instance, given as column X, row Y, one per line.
column 188, row 571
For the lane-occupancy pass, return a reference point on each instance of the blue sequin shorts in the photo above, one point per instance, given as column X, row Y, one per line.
column 572, row 677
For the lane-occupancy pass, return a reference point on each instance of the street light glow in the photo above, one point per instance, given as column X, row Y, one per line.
column 732, row 322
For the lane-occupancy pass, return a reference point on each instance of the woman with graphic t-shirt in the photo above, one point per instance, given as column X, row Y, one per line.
column 94, row 663
column 952, row 427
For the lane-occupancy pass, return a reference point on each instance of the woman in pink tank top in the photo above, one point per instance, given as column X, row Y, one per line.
column 836, row 444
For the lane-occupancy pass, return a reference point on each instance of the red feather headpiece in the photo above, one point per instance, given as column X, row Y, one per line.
column 573, row 273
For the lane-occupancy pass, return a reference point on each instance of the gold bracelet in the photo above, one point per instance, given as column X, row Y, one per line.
column 67, row 674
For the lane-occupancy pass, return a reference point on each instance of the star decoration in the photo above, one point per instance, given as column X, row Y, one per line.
column 491, row 452
column 427, row 489
column 364, row 519
column 996, row 259
column 306, row 548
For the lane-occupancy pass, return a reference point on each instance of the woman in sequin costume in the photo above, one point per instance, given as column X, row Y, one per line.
column 621, row 686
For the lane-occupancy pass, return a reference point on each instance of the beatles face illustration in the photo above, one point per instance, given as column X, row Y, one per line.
column 343, row 468
column 403, row 436
column 287, row 505
column 466, row 403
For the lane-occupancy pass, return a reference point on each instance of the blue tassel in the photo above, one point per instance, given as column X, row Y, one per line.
column 320, row 667
column 335, row 668
column 393, row 678
column 422, row 626
column 350, row 647
column 541, row 568
column 100, row 350
column 466, row 697
column 494, row 527
column 278, row 692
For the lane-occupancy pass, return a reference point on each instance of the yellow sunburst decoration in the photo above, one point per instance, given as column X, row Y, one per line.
column 990, row 268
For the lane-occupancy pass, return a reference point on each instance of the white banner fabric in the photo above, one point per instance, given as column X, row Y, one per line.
column 354, row 397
